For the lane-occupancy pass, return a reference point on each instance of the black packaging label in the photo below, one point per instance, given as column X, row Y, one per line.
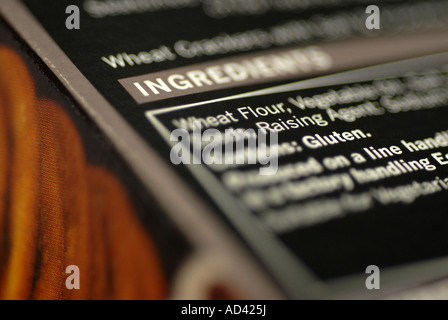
column 361, row 173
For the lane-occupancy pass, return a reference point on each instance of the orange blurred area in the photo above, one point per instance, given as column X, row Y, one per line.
column 56, row 209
